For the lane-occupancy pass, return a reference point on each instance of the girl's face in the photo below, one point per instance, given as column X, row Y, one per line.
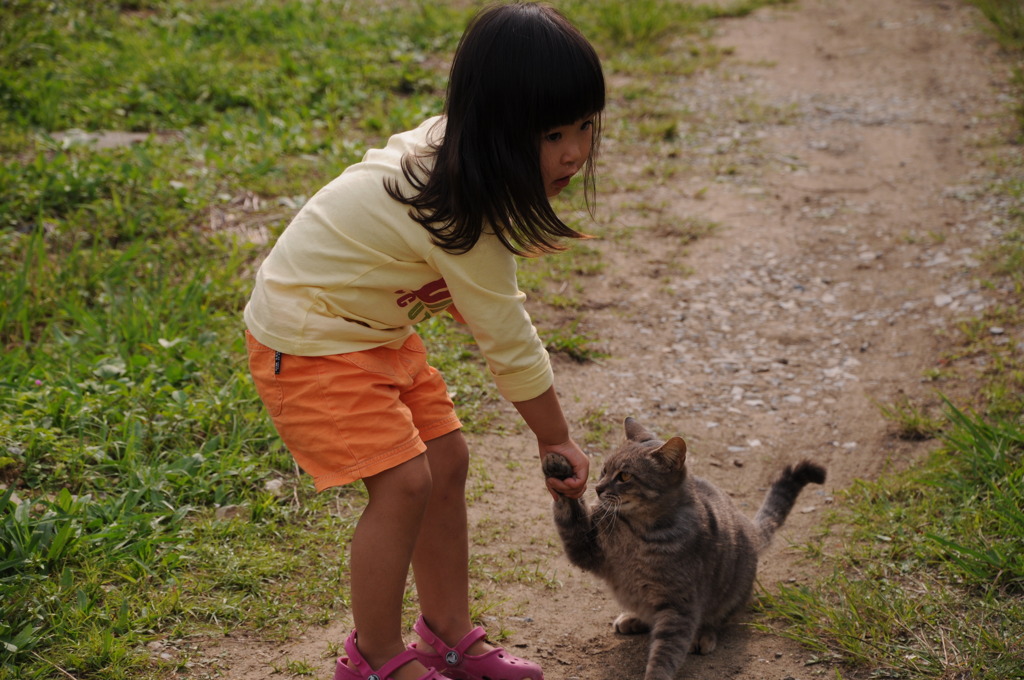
column 563, row 151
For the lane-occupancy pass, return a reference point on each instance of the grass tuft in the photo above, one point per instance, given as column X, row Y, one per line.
column 913, row 422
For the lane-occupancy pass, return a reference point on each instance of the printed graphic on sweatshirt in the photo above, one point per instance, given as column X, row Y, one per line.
column 425, row 302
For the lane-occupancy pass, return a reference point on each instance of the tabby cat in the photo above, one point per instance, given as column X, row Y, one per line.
column 676, row 552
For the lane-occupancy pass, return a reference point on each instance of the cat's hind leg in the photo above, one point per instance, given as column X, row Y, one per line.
column 705, row 642
column 673, row 633
column 628, row 624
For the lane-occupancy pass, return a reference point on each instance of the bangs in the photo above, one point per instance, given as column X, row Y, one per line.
column 568, row 82
column 572, row 88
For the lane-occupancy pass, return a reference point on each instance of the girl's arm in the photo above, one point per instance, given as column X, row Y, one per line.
column 544, row 417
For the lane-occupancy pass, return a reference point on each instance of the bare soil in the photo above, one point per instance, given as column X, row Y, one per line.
column 845, row 178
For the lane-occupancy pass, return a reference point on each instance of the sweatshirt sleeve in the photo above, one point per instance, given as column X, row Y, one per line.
column 483, row 287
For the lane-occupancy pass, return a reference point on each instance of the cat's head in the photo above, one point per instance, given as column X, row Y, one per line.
column 641, row 471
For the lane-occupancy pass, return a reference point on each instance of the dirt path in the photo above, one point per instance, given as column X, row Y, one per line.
column 852, row 130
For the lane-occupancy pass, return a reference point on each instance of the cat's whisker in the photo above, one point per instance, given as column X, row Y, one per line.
column 606, row 512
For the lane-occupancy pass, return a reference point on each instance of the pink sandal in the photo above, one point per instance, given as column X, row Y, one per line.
column 363, row 671
column 454, row 663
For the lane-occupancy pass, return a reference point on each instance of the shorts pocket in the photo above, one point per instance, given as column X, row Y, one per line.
column 262, row 367
column 414, row 343
column 378, row 360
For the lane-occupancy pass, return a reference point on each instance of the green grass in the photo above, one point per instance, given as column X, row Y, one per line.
column 1005, row 20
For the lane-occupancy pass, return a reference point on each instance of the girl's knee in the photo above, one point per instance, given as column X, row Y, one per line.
column 418, row 489
column 408, row 485
column 449, row 460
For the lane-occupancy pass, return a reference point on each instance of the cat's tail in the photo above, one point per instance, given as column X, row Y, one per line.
column 782, row 496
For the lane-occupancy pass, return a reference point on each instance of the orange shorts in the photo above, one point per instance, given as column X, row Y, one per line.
column 349, row 416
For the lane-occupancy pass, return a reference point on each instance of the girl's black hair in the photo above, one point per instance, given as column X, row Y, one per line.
column 520, row 70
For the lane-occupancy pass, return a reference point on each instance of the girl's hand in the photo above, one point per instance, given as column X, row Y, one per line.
column 544, row 416
column 571, row 487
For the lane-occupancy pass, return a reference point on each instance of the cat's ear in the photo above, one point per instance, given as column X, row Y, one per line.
column 635, row 432
column 674, row 453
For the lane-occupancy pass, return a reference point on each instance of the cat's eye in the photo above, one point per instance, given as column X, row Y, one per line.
column 624, row 477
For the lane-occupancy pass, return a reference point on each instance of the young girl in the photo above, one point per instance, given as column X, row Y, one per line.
column 428, row 223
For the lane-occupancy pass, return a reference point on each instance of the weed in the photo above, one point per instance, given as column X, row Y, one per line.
column 300, row 668
column 568, row 341
column 642, row 23
column 913, row 422
column 1007, row 19
column 599, row 429
column 688, row 229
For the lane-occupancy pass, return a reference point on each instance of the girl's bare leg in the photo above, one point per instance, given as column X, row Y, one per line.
column 381, row 551
column 441, row 557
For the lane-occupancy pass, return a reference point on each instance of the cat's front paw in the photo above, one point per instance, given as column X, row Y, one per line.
column 556, row 465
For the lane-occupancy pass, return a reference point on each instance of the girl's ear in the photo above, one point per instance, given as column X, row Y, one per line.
column 635, row 432
column 673, row 452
